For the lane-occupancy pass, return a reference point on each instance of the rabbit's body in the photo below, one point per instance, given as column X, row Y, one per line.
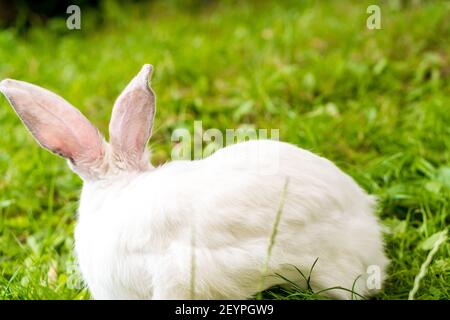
column 201, row 229
column 134, row 234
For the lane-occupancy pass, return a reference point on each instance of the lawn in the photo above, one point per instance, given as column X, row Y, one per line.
column 376, row 102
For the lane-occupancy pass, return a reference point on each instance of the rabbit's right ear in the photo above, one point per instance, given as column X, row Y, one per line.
column 54, row 122
column 131, row 122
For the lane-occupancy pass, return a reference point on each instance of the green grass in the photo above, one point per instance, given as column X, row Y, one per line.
column 376, row 102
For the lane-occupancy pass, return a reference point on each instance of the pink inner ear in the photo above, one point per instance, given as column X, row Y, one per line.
column 132, row 120
column 55, row 123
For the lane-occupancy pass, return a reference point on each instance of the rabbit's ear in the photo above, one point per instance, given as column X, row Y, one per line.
column 54, row 122
column 131, row 122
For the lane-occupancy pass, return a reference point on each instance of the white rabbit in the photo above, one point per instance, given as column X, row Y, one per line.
column 201, row 229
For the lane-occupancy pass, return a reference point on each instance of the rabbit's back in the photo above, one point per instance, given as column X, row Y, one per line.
column 218, row 215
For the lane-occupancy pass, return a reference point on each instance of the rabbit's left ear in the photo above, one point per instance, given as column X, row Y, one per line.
column 131, row 122
column 55, row 123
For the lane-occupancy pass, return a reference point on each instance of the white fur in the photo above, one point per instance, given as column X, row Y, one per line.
column 134, row 233
column 144, row 232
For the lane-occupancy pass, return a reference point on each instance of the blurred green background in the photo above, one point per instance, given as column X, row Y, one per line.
column 376, row 102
